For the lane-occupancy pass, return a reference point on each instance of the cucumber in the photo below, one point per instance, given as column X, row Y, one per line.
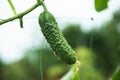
column 55, row 38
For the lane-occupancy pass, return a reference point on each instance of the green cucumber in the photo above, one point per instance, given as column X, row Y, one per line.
column 54, row 37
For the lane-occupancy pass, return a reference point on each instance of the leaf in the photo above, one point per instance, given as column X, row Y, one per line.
column 116, row 75
column 73, row 73
column 100, row 5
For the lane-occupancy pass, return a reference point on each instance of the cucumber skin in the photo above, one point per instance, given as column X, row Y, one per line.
column 55, row 38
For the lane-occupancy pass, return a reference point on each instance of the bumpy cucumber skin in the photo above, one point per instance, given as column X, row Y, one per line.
column 55, row 38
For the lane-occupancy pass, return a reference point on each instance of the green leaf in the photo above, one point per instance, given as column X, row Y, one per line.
column 73, row 73
column 101, row 5
column 116, row 75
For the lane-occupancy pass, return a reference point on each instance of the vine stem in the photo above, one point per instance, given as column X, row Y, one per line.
column 12, row 7
column 44, row 7
column 15, row 13
column 20, row 14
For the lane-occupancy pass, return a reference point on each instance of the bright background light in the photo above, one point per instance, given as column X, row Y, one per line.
column 14, row 41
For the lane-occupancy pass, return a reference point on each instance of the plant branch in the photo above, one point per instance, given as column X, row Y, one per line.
column 20, row 14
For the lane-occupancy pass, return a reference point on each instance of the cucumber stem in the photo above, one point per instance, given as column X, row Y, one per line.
column 44, row 7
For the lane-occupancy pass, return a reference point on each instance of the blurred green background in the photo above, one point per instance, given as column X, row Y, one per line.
column 98, row 51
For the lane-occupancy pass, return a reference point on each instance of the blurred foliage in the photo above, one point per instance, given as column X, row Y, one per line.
column 97, row 62
column 1, row 70
column 105, row 44
column 108, row 48
column 87, row 69
column 29, row 67
column 73, row 35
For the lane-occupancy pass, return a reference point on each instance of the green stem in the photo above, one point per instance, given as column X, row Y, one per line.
column 44, row 7
column 20, row 14
column 21, row 22
column 12, row 7
column 38, row 1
